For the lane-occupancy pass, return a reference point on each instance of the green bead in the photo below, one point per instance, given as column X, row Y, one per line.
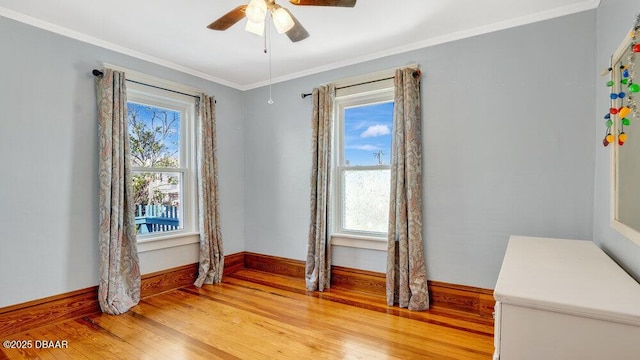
column 625, row 122
column 609, row 83
column 634, row 87
column 624, row 81
column 609, row 123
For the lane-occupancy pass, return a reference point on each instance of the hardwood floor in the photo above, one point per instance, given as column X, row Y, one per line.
column 257, row 315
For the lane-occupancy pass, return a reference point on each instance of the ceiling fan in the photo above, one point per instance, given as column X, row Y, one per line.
column 257, row 11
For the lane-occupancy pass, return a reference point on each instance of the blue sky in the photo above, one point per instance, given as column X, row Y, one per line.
column 367, row 130
column 145, row 114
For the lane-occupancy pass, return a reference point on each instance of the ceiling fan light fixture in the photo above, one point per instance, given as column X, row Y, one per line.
column 281, row 19
column 256, row 11
column 255, row 27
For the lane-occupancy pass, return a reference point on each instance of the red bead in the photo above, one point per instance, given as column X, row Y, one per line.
column 613, row 111
column 620, row 142
column 636, row 48
column 605, row 142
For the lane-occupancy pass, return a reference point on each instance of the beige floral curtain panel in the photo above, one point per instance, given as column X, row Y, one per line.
column 211, row 255
column 119, row 271
column 318, row 265
column 406, row 271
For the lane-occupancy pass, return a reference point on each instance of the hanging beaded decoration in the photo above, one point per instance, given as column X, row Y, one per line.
column 632, row 99
column 623, row 110
column 624, row 105
column 608, row 137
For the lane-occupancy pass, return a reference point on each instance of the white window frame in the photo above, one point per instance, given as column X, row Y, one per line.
column 367, row 94
column 139, row 91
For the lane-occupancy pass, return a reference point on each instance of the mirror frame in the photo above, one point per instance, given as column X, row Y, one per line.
column 627, row 231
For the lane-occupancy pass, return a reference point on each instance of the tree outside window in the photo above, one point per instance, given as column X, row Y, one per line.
column 154, row 135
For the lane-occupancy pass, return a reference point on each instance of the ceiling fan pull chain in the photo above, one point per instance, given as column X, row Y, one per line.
column 265, row 39
column 270, row 101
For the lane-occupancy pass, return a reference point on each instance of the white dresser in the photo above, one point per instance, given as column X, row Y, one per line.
column 564, row 299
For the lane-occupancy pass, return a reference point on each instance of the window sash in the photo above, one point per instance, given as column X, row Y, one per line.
column 181, row 173
column 366, row 97
column 147, row 99
column 341, row 224
column 158, row 169
column 188, row 222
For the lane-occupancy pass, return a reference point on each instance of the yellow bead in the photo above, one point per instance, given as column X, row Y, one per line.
column 624, row 112
column 609, row 138
column 622, row 137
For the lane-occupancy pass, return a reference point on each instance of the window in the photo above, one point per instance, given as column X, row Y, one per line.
column 363, row 133
column 162, row 144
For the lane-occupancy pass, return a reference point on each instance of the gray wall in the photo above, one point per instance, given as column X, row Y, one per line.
column 508, row 149
column 48, row 152
column 614, row 19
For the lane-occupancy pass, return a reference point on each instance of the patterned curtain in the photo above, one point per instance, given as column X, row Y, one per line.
column 211, row 256
column 119, row 286
column 318, row 266
column 406, row 271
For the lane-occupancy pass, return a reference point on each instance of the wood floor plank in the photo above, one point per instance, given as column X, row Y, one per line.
column 255, row 315
column 230, row 326
column 327, row 314
column 208, row 337
column 44, row 338
column 269, row 330
column 443, row 317
column 369, row 301
column 20, row 352
column 145, row 337
column 98, row 342
column 57, row 332
column 187, row 336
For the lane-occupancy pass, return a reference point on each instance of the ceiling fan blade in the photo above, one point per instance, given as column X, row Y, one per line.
column 339, row 3
column 297, row 32
column 228, row 19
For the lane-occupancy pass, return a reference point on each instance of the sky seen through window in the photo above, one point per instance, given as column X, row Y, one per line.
column 367, row 134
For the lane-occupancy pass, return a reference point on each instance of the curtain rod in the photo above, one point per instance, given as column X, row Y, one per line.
column 98, row 73
column 415, row 74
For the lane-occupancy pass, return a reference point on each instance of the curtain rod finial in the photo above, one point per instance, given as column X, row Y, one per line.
column 97, row 72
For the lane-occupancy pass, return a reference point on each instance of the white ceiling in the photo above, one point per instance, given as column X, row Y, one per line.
column 173, row 33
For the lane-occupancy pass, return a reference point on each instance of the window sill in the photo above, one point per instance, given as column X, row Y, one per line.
column 167, row 241
column 359, row 241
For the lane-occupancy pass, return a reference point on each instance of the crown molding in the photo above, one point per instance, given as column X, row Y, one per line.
column 29, row 20
column 437, row 40
column 502, row 25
